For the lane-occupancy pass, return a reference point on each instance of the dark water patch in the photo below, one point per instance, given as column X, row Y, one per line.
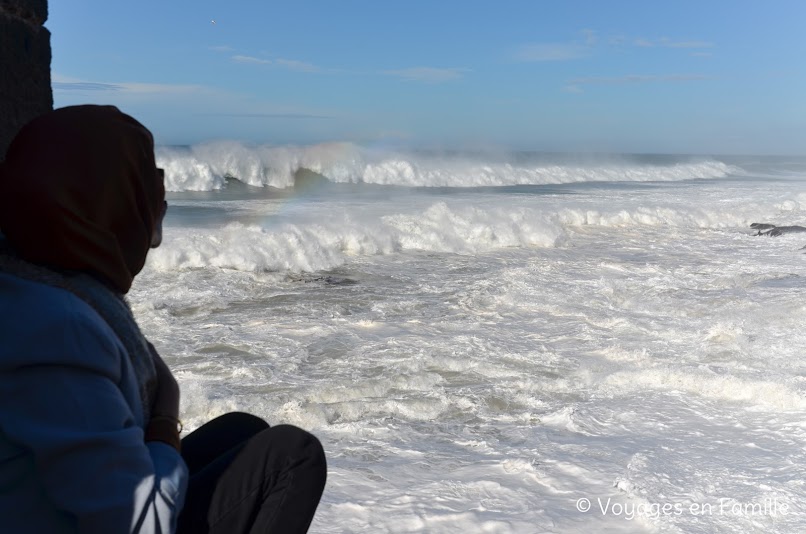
column 787, row 281
column 306, row 180
column 223, row 348
column 333, row 280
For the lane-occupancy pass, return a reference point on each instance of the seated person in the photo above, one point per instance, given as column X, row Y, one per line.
column 89, row 426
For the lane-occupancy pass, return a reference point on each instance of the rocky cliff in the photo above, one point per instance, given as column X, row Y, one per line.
column 25, row 90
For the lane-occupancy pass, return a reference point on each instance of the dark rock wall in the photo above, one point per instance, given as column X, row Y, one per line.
column 24, row 66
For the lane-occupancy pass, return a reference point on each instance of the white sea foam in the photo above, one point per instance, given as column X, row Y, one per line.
column 291, row 239
column 703, row 382
column 465, row 174
column 329, row 241
column 495, row 356
column 206, row 167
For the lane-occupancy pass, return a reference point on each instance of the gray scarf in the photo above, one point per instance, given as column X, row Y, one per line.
column 111, row 306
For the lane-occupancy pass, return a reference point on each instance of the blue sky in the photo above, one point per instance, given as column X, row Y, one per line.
column 639, row 76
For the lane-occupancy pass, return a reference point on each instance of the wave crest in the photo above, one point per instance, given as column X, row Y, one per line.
column 206, row 167
column 327, row 243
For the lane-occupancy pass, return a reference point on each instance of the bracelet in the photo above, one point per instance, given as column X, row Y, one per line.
column 164, row 429
column 176, row 421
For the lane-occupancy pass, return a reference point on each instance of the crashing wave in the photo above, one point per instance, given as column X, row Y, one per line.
column 207, row 167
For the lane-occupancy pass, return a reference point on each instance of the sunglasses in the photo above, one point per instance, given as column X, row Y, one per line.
column 161, row 174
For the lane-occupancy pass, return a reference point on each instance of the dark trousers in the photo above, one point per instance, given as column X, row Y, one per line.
column 246, row 477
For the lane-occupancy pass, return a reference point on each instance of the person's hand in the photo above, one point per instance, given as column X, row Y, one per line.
column 166, row 399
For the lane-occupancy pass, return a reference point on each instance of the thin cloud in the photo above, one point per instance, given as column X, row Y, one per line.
column 63, row 83
column 616, row 40
column 269, row 115
column 299, row 66
column 290, row 64
column 701, row 54
column 550, row 52
column 197, row 100
column 573, row 88
column 427, row 74
column 224, row 48
column 251, row 60
column 637, row 78
column 85, row 86
column 665, row 42
column 155, row 88
column 591, row 37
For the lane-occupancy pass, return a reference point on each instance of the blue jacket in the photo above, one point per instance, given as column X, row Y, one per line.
column 72, row 456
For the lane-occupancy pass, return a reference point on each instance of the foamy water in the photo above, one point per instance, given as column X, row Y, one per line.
column 479, row 348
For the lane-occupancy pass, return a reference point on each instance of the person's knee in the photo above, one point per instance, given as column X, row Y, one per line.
column 295, row 439
column 302, row 447
column 250, row 423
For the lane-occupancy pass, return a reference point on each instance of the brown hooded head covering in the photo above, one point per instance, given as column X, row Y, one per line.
column 80, row 190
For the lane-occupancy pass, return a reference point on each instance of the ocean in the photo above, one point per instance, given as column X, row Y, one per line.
column 498, row 342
